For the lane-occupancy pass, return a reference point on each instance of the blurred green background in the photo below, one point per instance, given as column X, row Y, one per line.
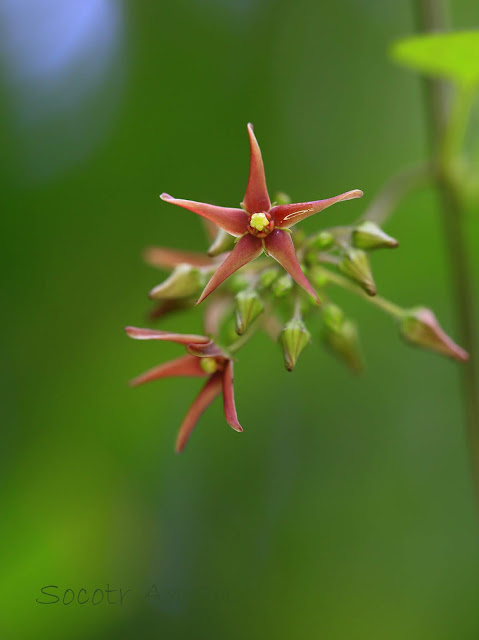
column 345, row 509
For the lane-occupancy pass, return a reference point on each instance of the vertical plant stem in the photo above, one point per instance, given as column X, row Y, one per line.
column 452, row 219
column 433, row 15
column 444, row 127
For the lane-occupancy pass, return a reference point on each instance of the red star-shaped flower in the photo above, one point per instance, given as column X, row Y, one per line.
column 204, row 359
column 258, row 225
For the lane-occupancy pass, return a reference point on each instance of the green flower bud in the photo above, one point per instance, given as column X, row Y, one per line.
column 355, row 265
column 340, row 336
column 333, row 317
column 223, row 242
column 282, row 286
column 282, row 198
column 311, row 257
column 227, row 333
column 318, row 277
column 299, row 237
column 294, row 337
column 321, row 241
column 239, row 282
column 420, row 327
column 248, row 307
column 368, row 235
column 267, row 277
column 185, row 280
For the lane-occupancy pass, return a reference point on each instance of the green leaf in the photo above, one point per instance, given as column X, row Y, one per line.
column 452, row 55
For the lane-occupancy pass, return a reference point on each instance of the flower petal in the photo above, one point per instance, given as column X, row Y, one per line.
column 228, row 397
column 187, row 366
column 208, row 393
column 246, row 249
column 285, row 215
column 234, row 221
column 206, row 350
column 171, row 258
column 256, row 198
column 154, row 334
column 280, row 246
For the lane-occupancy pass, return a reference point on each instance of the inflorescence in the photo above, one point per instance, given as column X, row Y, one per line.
column 249, row 246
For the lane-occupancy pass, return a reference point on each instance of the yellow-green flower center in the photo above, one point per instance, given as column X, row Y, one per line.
column 259, row 221
column 208, row 365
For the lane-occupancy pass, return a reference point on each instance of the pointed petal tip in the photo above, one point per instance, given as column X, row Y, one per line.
column 458, row 353
column 256, row 198
column 134, row 332
column 287, row 215
column 180, row 443
column 350, row 195
column 202, row 401
column 313, row 294
column 246, row 249
column 279, row 246
column 233, row 221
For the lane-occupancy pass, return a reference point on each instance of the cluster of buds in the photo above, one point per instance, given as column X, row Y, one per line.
column 261, row 273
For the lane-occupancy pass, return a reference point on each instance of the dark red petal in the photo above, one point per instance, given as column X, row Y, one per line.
column 280, row 246
column 256, row 198
column 206, row 350
column 234, row 221
column 229, row 398
column 171, row 258
column 187, row 366
column 154, row 334
column 246, row 249
column 208, row 393
column 285, row 215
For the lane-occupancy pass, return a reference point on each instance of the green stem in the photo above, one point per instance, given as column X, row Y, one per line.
column 297, row 305
column 447, row 135
column 242, row 340
column 433, row 15
column 452, row 219
column 386, row 305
